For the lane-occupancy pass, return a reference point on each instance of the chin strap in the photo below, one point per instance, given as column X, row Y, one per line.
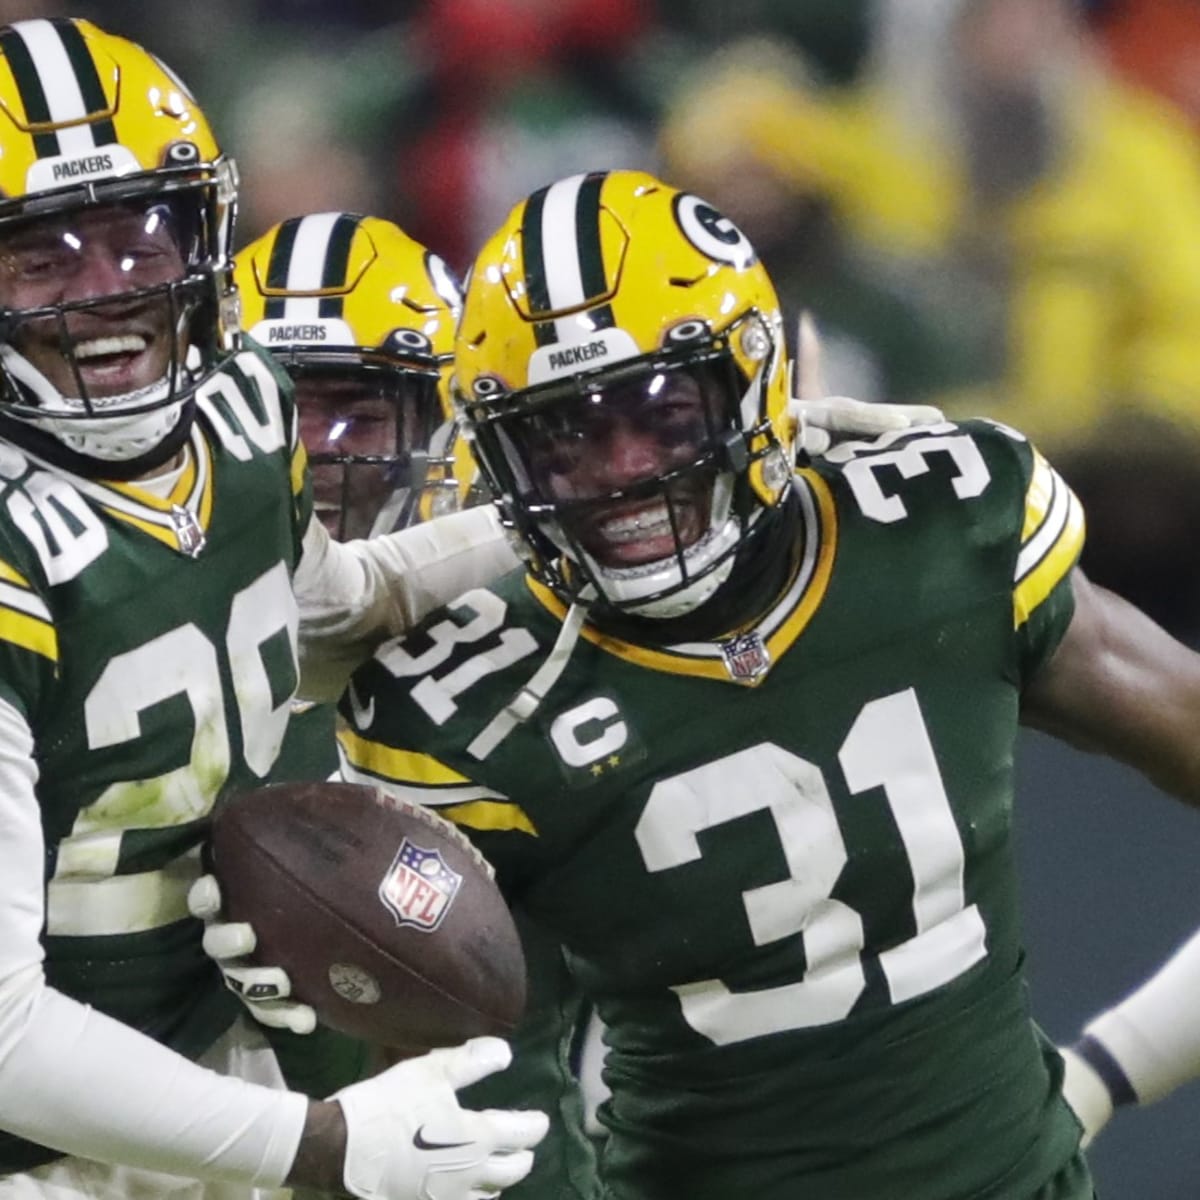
column 47, row 447
column 525, row 703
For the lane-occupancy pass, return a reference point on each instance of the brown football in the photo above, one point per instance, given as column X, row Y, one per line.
column 386, row 918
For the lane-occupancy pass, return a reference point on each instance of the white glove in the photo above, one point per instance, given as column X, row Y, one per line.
column 1087, row 1095
column 407, row 1137
column 820, row 422
column 263, row 990
column 820, row 417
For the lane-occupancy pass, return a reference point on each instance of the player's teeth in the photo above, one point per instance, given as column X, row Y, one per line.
column 129, row 343
column 651, row 522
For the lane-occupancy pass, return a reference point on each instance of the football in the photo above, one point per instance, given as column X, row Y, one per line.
column 386, row 918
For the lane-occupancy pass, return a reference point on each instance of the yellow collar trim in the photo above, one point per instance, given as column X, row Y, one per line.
column 779, row 628
column 156, row 515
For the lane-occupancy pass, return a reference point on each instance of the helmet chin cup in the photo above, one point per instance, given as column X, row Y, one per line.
column 114, row 439
column 710, row 562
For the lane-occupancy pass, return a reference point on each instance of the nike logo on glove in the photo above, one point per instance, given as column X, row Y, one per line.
column 421, row 1144
column 363, row 714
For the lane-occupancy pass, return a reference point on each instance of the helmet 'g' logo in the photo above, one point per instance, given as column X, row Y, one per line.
column 711, row 233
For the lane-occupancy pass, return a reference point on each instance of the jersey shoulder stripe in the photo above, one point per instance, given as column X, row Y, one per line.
column 25, row 620
column 1051, row 539
column 299, row 468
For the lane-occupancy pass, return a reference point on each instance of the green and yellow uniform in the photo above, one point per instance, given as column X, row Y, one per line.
column 794, row 903
column 149, row 642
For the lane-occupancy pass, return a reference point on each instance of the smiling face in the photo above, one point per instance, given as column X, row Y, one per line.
column 617, row 457
column 96, row 348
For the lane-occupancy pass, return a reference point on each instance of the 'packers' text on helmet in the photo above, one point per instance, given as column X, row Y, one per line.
column 362, row 318
column 116, row 208
column 620, row 368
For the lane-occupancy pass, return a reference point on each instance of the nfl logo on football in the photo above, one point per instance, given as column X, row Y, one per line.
column 419, row 887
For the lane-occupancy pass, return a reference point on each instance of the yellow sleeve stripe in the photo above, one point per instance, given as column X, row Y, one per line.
column 421, row 779
column 1047, row 556
column 401, row 766
column 29, row 632
column 299, row 466
column 11, row 575
column 488, row 815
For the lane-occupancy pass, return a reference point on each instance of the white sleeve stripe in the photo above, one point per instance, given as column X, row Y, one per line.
column 429, row 797
column 1043, row 540
column 23, row 601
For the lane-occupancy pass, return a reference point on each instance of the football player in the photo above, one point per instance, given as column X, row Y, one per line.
column 361, row 317
column 742, row 736
column 159, row 571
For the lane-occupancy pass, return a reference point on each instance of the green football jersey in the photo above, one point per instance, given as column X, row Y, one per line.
column 783, row 863
column 150, row 643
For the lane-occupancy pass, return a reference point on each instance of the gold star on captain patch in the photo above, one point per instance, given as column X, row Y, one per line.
column 614, row 760
column 596, row 769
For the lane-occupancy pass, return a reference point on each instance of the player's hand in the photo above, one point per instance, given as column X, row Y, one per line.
column 1086, row 1094
column 407, row 1136
column 265, row 991
column 821, row 419
column 820, row 423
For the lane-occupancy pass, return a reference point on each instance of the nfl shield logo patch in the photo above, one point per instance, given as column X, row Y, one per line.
column 419, row 887
column 188, row 534
column 746, row 658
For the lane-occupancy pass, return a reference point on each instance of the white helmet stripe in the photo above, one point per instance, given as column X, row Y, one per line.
column 306, row 270
column 564, row 275
column 64, row 99
column 560, row 253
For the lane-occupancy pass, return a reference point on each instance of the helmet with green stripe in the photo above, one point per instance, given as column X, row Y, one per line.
column 621, row 368
column 362, row 318
column 116, row 207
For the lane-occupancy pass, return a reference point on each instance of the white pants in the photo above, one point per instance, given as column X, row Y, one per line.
column 242, row 1052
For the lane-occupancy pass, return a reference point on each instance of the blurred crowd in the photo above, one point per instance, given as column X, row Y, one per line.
column 990, row 205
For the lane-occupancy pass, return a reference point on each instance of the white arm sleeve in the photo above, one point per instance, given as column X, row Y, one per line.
column 1152, row 1036
column 354, row 595
column 78, row 1081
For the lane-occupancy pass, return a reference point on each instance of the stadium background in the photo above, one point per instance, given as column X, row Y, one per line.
column 441, row 114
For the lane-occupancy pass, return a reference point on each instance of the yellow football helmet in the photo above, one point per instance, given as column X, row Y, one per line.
column 620, row 368
column 116, row 209
column 362, row 318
